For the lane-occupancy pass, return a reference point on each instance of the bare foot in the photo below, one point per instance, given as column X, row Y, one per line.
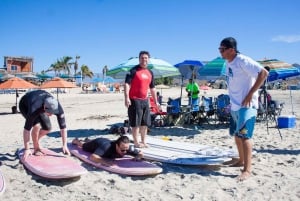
column 38, row 152
column 245, row 175
column 141, row 145
column 145, row 145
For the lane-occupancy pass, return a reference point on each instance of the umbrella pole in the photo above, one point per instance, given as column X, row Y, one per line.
column 16, row 99
column 291, row 101
column 57, row 93
column 181, row 88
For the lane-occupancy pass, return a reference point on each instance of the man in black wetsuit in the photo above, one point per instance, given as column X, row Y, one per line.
column 104, row 148
column 36, row 107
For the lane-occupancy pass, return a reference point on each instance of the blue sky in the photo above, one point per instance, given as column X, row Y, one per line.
column 108, row 32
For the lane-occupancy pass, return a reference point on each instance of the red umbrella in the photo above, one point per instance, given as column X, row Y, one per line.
column 17, row 83
column 58, row 83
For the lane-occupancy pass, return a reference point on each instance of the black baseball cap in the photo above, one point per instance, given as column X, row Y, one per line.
column 229, row 42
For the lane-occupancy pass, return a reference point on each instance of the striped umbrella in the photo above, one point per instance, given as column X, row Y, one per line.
column 214, row 69
column 159, row 67
column 279, row 70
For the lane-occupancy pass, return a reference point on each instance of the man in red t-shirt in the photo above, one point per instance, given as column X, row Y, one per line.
column 137, row 83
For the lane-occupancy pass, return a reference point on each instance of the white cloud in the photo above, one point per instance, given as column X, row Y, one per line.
column 287, row 38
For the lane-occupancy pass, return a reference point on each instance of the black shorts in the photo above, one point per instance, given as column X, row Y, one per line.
column 42, row 118
column 139, row 113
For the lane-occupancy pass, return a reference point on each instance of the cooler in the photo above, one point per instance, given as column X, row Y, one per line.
column 288, row 121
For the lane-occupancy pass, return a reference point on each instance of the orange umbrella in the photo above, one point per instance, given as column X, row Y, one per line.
column 58, row 83
column 17, row 83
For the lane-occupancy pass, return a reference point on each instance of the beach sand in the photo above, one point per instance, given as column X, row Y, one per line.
column 275, row 176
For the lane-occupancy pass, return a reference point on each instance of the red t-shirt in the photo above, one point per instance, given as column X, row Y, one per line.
column 140, row 80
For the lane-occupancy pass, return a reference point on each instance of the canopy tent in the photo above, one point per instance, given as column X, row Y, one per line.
column 213, row 70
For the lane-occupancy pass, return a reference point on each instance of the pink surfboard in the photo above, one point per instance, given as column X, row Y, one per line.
column 2, row 183
column 52, row 165
column 124, row 166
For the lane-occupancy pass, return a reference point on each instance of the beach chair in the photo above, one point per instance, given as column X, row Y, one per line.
column 223, row 108
column 174, row 111
column 191, row 114
column 158, row 117
column 207, row 109
column 268, row 109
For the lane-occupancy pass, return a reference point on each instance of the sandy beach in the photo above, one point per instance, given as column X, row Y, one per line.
column 276, row 166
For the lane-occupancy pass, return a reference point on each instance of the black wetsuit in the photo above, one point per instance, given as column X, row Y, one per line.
column 32, row 108
column 106, row 148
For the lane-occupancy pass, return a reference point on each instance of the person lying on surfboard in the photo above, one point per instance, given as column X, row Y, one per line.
column 36, row 107
column 102, row 148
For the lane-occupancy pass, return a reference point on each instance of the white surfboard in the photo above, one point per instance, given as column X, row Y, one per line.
column 191, row 148
column 185, row 153
column 180, row 158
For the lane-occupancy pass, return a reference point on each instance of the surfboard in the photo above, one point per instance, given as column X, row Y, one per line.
column 123, row 166
column 192, row 148
column 180, row 158
column 2, row 183
column 183, row 153
column 52, row 165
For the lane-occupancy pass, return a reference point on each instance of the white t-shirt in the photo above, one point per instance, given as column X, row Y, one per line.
column 241, row 76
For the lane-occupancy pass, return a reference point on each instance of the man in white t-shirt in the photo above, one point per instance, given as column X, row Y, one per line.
column 244, row 76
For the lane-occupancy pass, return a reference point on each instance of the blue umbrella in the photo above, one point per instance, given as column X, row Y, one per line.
column 279, row 70
column 188, row 68
column 214, row 69
column 282, row 73
column 107, row 79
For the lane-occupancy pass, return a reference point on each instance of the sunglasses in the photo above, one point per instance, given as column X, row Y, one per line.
column 222, row 49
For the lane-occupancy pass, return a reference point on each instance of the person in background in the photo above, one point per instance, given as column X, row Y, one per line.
column 244, row 77
column 137, row 83
column 102, row 148
column 192, row 88
column 36, row 107
column 159, row 98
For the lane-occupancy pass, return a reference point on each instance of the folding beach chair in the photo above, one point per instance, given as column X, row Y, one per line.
column 158, row 117
column 207, row 109
column 174, row 111
column 191, row 115
column 223, row 108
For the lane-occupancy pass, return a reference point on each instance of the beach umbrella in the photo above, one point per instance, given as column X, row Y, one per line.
column 57, row 83
column 44, row 76
column 107, row 79
column 159, row 67
column 213, row 70
column 279, row 70
column 187, row 68
column 17, row 83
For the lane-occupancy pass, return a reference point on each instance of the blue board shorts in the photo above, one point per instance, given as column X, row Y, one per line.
column 242, row 122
